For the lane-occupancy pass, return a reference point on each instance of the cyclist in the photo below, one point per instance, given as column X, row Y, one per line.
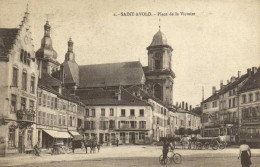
column 165, row 151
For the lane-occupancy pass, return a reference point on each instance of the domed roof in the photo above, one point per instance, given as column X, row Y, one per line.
column 46, row 50
column 159, row 39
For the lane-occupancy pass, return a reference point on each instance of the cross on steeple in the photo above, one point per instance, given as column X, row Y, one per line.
column 159, row 24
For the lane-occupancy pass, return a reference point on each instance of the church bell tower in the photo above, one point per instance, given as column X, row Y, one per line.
column 159, row 74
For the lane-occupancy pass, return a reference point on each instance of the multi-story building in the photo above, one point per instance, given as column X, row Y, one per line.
column 18, row 87
column 116, row 114
column 185, row 120
column 221, row 111
column 59, row 112
column 249, row 109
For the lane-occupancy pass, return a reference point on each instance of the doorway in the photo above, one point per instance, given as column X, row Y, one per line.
column 21, row 141
column 132, row 137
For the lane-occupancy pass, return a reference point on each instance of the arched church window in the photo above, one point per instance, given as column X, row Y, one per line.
column 157, row 91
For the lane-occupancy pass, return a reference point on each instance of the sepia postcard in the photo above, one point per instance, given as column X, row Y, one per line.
column 123, row 83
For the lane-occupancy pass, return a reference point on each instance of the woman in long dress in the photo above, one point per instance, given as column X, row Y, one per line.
column 245, row 154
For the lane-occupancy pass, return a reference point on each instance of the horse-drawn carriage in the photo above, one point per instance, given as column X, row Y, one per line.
column 207, row 142
column 85, row 143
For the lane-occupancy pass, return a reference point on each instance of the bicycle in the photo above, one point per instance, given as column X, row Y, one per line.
column 174, row 157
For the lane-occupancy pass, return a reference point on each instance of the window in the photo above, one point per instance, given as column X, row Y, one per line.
column 21, row 55
column 102, row 112
column 24, row 81
column 44, row 100
column 133, row 124
column 229, row 103
column 230, row 93
column 29, row 137
column 244, row 98
column 142, row 124
column 25, row 57
column 157, row 91
column 28, row 59
column 250, row 97
column 63, row 120
column 32, row 88
column 13, row 103
column 59, row 120
column 23, row 103
column 43, row 118
column 70, row 123
column 40, row 98
column 48, row 119
column 111, row 124
column 205, row 106
column 39, row 117
column 132, row 112
column 48, row 101
column 214, row 104
column 123, row 113
column 56, row 103
column 141, row 112
column 87, row 112
column 234, row 91
column 111, row 112
column 257, row 97
column 11, row 137
column 141, row 135
column 54, row 120
column 15, row 77
column 52, row 102
column 31, row 105
column 234, row 102
column 93, row 112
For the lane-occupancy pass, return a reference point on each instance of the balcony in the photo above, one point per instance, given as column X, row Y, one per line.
column 131, row 128
column 26, row 115
column 251, row 120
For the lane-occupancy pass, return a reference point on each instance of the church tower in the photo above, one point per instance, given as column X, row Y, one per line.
column 159, row 74
column 46, row 55
column 71, row 68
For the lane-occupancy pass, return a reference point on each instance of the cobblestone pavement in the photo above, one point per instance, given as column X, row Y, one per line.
column 131, row 156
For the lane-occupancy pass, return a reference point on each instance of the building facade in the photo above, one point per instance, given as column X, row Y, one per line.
column 222, row 111
column 18, row 86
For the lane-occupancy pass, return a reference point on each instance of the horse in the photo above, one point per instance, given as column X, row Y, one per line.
column 92, row 144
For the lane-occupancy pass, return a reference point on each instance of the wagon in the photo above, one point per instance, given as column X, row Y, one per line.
column 207, row 142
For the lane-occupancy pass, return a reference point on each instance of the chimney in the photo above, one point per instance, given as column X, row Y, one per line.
column 213, row 90
column 182, row 106
column 221, row 84
column 239, row 74
column 254, row 70
column 118, row 94
column 187, row 106
column 190, row 108
column 227, row 81
column 176, row 104
column 249, row 71
column 62, row 75
column 232, row 79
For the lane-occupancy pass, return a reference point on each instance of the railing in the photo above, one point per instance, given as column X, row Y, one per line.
column 251, row 120
column 25, row 115
column 131, row 128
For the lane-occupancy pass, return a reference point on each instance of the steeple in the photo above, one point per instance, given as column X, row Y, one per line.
column 47, row 29
column 70, row 56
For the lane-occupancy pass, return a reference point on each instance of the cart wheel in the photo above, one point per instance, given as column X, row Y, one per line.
column 206, row 145
column 199, row 146
column 222, row 145
column 162, row 161
column 177, row 158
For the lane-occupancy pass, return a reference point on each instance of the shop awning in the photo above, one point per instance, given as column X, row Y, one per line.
column 76, row 135
column 58, row 134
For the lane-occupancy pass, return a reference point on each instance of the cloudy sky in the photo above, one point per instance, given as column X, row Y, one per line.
column 223, row 36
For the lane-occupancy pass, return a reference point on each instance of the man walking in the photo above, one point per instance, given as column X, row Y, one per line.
column 117, row 141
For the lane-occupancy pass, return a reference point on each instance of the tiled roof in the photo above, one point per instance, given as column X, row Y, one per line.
column 114, row 74
column 226, row 88
column 252, row 83
column 144, row 94
column 234, row 84
column 71, row 70
column 7, row 39
column 107, row 97
column 48, row 83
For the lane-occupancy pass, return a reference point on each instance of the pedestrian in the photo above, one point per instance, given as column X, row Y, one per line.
column 245, row 154
column 37, row 149
column 117, row 141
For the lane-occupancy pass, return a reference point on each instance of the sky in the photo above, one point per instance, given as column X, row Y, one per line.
column 222, row 38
